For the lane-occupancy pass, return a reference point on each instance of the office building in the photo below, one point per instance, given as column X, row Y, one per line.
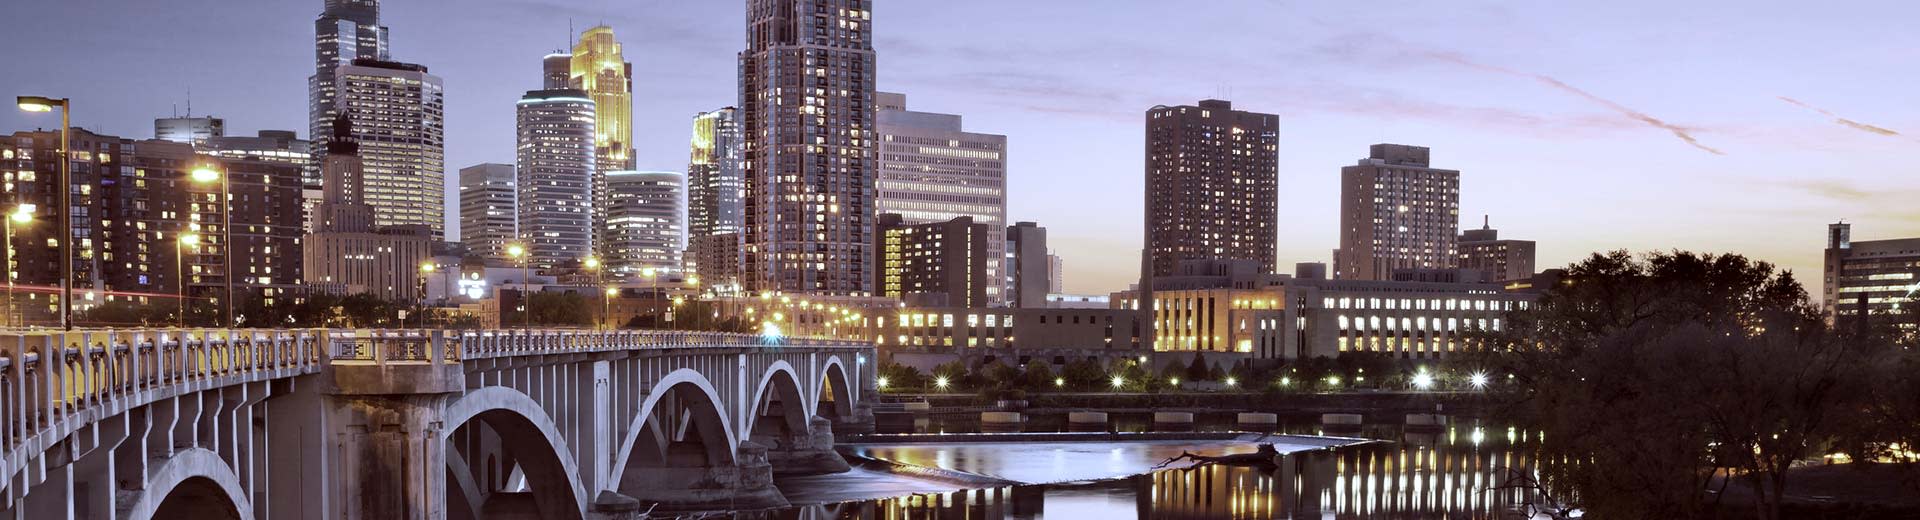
column 601, row 70
column 1056, row 274
column 1211, row 185
column 927, row 337
column 349, row 252
column 1029, row 267
column 347, row 30
column 716, row 190
column 807, row 111
column 555, row 176
column 941, row 264
column 1874, row 276
column 1496, row 260
column 188, row 129
column 646, row 223
column 397, row 111
column 931, row 170
column 489, row 215
column 1396, row 212
column 556, row 71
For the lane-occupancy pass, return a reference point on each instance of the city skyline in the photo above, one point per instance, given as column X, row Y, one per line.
column 1695, row 114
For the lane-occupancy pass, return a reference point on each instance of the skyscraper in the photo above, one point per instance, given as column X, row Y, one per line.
column 807, row 111
column 397, row 111
column 348, row 252
column 646, row 222
column 933, row 171
column 556, row 71
column 488, row 214
column 600, row 69
column 555, row 177
column 1029, row 266
column 1396, row 212
column 1211, row 185
column 347, row 30
column 715, row 189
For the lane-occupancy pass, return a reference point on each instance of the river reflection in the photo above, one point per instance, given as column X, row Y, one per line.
column 1444, row 474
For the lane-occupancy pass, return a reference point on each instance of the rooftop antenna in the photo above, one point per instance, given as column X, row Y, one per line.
column 1487, row 223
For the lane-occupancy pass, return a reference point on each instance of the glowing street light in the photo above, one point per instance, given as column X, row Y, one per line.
column 1059, row 382
column 1286, row 381
column 1119, row 382
column 941, row 382
column 881, row 382
column 206, row 174
column 1174, row 381
column 22, row 215
column 46, row 104
column 1478, row 380
column 1232, row 381
column 183, row 242
column 1423, row 381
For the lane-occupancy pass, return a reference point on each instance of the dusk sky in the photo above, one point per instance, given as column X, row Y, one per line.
column 1725, row 126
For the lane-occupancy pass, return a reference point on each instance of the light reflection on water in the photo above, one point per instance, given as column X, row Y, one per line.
column 1444, row 474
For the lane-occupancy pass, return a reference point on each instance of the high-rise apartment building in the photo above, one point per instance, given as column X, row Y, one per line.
column 938, row 264
column 1211, row 185
column 347, row 30
column 348, row 252
column 397, row 111
column 1029, row 267
column 280, row 146
column 716, row 190
column 188, row 129
column 489, row 215
column 1396, row 212
column 555, row 177
column 1497, row 260
column 646, row 222
column 1056, row 274
column 807, row 111
column 931, row 170
column 1874, row 276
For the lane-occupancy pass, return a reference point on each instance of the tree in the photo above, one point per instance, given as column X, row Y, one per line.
column 1198, row 370
column 954, row 372
column 1084, row 374
column 559, row 308
column 1037, row 375
column 1651, row 376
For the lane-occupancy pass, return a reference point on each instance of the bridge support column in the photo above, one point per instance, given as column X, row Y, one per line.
column 746, row 484
column 386, row 420
column 807, row 453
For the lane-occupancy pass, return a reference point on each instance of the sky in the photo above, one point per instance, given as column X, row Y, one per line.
column 1715, row 126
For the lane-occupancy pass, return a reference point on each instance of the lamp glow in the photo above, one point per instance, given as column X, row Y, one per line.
column 1119, row 382
column 190, row 239
column 22, row 214
column 1059, row 382
column 941, row 382
column 881, row 382
column 1422, row 381
column 205, row 174
column 1478, row 380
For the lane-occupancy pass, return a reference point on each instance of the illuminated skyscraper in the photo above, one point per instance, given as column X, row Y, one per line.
column 347, row 30
column 1396, row 212
column 555, row 172
column 397, row 111
column 933, row 171
column 646, row 222
column 716, row 190
column 489, row 218
column 602, row 71
column 807, row 111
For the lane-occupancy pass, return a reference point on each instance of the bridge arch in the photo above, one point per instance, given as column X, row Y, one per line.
column 783, row 381
column 833, row 395
column 524, row 428
column 649, row 442
column 193, row 483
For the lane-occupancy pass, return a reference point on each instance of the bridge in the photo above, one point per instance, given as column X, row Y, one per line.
column 331, row 424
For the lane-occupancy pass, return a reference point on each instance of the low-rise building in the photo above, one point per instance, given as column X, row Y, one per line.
column 927, row 337
column 1868, row 276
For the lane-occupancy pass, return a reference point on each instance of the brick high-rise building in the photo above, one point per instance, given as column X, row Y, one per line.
column 807, row 111
column 1498, row 260
column 1211, row 185
column 1396, row 212
column 939, row 264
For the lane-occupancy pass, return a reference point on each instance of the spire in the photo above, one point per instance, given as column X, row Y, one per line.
column 1487, row 223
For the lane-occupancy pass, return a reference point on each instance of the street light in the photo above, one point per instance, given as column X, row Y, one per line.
column 606, row 313
column 23, row 215
column 426, row 270
column 518, row 253
column 206, row 174
column 606, row 304
column 182, row 242
column 46, row 104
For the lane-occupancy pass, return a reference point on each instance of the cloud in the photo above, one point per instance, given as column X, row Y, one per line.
column 1843, row 121
column 1684, row 133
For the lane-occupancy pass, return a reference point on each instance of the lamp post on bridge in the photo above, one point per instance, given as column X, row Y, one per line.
column 518, row 253
column 181, row 243
column 65, row 212
column 22, row 214
column 205, row 174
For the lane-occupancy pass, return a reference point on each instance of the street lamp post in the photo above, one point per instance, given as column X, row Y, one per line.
column 208, row 174
column 426, row 270
column 22, row 214
column 592, row 263
column 65, row 213
column 181, row 243
column 518, row 253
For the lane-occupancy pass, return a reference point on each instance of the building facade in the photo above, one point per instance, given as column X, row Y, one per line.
column 927, row 337
column 940, row 264
column 1874, row 277
column 1498, row 260
column 807, row 111
column 646, row 223
column 600, row 68
column 1396, row 212
column 348, row 251
column 555, row 174
column 189, row 129
column 347, row 30
column 489, row 212
column 932, row 170
column 716, row 190
column 1211, row 185
column 1029, row 267
column 275, row 146
column 398, row 116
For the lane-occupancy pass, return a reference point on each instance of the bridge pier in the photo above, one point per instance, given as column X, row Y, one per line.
column 806, row 453
column 747, row 483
